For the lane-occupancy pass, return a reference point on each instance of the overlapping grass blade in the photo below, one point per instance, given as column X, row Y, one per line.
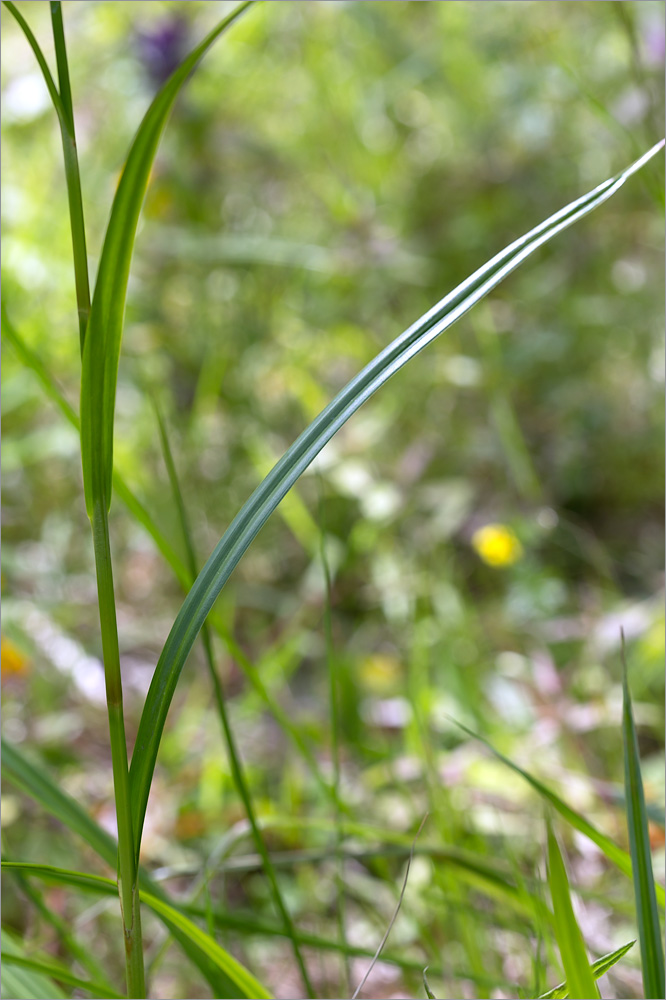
column 296, row 459
column 47, row 967
column 24, row 984
column 67, row 940
column 102, row 346
column 599, row 969
column 238, row 974
column 649, row 930
column 36, row 783
column 234, row 757
column 580, row 980
column 612, row 851
column 143, row 516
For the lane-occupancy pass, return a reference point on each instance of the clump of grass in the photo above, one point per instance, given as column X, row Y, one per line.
column 100, row 329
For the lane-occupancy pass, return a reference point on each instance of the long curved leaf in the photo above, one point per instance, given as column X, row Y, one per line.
column 296, row 459
column 58, row 971
column 649, row 929
column 237, row 973
column 36, row 782
column 102, row 343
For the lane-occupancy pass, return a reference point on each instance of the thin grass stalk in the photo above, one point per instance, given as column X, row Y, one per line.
column 72, row 175
column 127, row 860
column 232, row 750
column 333, row 697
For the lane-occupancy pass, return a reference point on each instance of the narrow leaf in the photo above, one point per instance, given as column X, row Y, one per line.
column 60, row 972
column 649, row 930
column 237, row 769
column 237, row 973
column 102, row 344
column 612, row 851
column 36, row 782
column 580, row 979
column 599, row 969
column 24, row 984
column 296, row 459
column 426, row 986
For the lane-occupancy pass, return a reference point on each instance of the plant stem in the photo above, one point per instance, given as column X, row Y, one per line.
column 127, row 864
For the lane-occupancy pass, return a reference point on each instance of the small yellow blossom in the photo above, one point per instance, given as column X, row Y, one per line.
column 497, row 545
column 380, row 672
column 13, row 660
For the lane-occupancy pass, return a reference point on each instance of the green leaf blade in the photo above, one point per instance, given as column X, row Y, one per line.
column 258, row 508
column 649, row 929
column 580, row 979
column 599, row 968
column 102, row 343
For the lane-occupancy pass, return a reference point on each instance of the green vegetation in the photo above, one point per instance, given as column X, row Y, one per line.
column 411, row 629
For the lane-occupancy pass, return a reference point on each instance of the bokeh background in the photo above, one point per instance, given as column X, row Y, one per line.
column 330, row 171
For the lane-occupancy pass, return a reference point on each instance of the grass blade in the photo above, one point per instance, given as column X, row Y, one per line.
column 232, row 750
column 82, row 954
column 394, row 916
column 237, row 973
column 164, row 546
column 612, row 851
column 296, row 459
column 24, row 984
column 102, row 346
column 649, row 930
column 36, row 783
column 55, row 970
column 580, row 979
column 599, row 969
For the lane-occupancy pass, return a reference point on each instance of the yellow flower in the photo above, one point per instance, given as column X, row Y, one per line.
column 380, row 672
column 497, row 545
column 13, row 660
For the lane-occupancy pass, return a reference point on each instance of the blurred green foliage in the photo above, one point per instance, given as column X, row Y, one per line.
column 331, row 170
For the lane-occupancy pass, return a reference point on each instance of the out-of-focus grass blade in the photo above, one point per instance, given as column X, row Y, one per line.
column 649, row 930
column 66, row 939
column 426, row 987
column 56, row 970
column 164, row 546
column 36, row 783
column 102, row 346
column 599, row 969
column 296, row 459
column 237, row 769
column 24, row 984
column 237, row 973
column 580, row 979
column 613, row 852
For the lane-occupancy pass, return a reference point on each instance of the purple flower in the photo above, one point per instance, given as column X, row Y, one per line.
column 163, row 48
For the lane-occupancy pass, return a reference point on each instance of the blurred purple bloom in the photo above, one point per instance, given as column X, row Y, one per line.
column 654, row 44
column 163, row 48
